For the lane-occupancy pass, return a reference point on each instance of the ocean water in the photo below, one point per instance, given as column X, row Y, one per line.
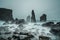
column 35, row 29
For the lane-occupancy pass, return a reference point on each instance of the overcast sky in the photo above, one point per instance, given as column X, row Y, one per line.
column 22, row 8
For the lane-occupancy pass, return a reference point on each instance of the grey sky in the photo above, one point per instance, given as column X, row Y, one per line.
column 22, row 8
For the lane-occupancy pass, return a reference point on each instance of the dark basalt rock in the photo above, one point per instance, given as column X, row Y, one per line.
column 18, row 21
column 48, row 24
column 43, row 17
column 44, row 38
column 7, row 33
column 58, row 23
column 29, row 36
column 55, row 31
column 9, row 38
column 6, row 14
column 16, row 37
column 2, row 38
column 21, row 33
column 33, row 17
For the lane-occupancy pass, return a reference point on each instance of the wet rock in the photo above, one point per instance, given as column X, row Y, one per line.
column 18, row 21
column 2, row 38
column 7, row 33
column 58, row 23
column 29, row 36
column 21, row 33
column 9, row 38
column 5, row 14
column 43, row 17
column 44, row 38
column 48, row 24
column 55, row 31
column 16, row 37
column 33, row 17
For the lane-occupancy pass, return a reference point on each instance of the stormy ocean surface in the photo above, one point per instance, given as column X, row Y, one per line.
column 36, row 29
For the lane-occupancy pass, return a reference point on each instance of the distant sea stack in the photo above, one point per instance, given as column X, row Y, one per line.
column 6, row 14
column 28, row 18
column 43, row 17
column 33, row 17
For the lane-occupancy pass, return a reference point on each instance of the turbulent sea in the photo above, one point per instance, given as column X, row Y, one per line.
column 35, row 29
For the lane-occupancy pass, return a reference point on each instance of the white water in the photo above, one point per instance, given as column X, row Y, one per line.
column 32, row 28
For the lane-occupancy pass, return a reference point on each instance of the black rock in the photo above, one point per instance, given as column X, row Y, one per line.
column 9, row 38
column 43, row 17
column 48, row 24
column 55, row 31
column 58, row 23
column 18, row 21
column 6, row 14
column 44, row 38
column 16, row 37
column 2, row 38
column 33, row 17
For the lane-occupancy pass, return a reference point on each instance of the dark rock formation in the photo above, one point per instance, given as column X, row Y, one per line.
column 44, row 38
column 48, row 24
column 28, row 18
column 33, row 17
column 16, row 37
column 55, row 31
column 18, row 21
column 9, row 38
column 5, row 14
column 29, row 36
column 43, row 17
column 58, row 23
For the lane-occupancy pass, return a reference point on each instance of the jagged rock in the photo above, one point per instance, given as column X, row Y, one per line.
column 33, row 17
column 43, row 17
column 48, row 24
column 28, row 18
column 5, row 14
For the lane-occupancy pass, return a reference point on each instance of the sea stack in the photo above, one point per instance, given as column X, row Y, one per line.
column 33, row 17
column 6, row 14
column 28, row 18
column 43, row 17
